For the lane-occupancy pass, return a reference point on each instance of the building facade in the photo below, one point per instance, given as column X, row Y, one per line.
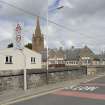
column 82, row 56
column 74, row 57
column 79, row 56
column 14, row 59
column 56, row 58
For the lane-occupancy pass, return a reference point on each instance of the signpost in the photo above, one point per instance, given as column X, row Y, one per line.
column 20, row 45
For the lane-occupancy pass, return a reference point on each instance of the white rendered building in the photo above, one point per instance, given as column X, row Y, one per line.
column 15, row 59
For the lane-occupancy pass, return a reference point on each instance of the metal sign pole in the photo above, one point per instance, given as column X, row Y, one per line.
column 25, row 72
column 20, row 46
column 25, row 79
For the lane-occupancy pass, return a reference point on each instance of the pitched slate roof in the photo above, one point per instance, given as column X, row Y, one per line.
column 87, row 52
column 54, row 53
column 77, row 53
column 72, row 54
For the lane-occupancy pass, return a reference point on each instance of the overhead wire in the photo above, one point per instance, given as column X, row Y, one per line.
column 50, row 21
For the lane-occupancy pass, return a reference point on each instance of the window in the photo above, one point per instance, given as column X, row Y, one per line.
column 33, row 60
column 8, row 60
column 67, row 62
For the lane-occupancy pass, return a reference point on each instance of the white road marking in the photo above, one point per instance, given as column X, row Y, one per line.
column 81, row 88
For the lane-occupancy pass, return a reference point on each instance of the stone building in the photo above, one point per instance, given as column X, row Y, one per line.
column 56, row 58
column 38, row 38
column 82, row 56
column 72, row 56
column 100, row 59
column 86, row 56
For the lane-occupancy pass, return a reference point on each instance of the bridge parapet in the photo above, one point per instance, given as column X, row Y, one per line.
column 95, row 69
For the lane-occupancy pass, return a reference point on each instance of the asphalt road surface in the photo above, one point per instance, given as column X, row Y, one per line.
column 90, row 93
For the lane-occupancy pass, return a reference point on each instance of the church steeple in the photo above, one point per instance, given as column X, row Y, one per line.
column 38, row 38
column 38, row 30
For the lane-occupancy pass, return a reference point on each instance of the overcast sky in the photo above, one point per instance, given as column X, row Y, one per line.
column 10, row 16
column 80, row 22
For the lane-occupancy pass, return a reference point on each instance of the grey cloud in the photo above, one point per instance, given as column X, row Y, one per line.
column 33, row 6
column 85, row 7
column 86, row 19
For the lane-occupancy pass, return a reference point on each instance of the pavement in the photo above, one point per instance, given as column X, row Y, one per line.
column 47, row 91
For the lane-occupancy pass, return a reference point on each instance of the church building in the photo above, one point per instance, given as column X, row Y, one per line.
column 38, row 38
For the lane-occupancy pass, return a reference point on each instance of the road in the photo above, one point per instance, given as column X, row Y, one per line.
column 90, row 93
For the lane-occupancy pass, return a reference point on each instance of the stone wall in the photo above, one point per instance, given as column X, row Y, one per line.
column 93, row 70
column 11, row 80
column 36, row 80
column 64, row 75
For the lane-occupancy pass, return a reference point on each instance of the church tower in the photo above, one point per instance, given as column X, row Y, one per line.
column 38, row 38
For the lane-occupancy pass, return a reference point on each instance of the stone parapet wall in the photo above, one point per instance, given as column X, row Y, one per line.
column 11, row 80
column 36, row 80
column 93, row 70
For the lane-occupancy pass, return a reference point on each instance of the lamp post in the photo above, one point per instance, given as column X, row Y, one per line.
column 58, row 8
column 47, row 65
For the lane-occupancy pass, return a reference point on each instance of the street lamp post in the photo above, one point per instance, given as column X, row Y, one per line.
column 58, row 8
column 47, row 64
column 47, row 48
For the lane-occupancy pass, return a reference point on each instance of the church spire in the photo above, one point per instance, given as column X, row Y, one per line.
column 38, row 30
column 37, row 39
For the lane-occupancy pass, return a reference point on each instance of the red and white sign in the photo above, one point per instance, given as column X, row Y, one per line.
column 18, row 28
column 18, row 37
